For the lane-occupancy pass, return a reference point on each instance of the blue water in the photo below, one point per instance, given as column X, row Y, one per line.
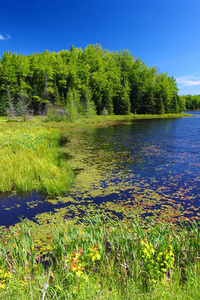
column 158, row 152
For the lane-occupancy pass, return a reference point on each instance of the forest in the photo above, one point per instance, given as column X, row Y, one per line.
column 191, row 102
column 102, row 214
column 84, row 82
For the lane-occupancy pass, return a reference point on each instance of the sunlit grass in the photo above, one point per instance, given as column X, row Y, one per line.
column 101, row 120
column 30, row 159
column 99, row 258
column 93, row 259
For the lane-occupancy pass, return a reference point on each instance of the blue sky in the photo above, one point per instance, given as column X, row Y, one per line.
column 163, row 33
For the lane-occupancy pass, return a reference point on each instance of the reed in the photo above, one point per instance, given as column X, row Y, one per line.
column 99, row 258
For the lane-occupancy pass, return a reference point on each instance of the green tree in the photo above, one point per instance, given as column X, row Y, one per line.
column 90, row 110
column 71, row 109
column 118, row 82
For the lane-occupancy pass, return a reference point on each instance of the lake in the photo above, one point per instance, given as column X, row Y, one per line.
column 145, row 167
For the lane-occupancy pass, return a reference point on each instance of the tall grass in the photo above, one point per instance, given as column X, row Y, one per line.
column 100, row 259
column 30, row 159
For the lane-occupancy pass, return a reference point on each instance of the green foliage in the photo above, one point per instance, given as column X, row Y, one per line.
column 97, row 258
column 104, row 112
column 72, row 106
column 5, row 275
column 97, row 78
column 190, row 102
column 55, row 114
column 157, row 262
column 90, row 110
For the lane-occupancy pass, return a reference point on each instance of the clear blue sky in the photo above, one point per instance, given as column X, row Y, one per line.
column 163, row 33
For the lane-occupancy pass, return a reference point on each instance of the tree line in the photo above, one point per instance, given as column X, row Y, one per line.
column 84, row 82
column 191, row 102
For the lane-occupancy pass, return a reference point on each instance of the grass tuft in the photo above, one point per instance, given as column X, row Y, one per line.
column 31, row 160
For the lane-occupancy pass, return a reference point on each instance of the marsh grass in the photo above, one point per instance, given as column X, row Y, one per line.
column 31, row 160
column 99, row 258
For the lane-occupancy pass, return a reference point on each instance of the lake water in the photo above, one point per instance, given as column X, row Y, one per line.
column 148, row 167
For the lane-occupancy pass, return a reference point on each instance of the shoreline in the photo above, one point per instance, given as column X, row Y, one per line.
column 100, row 120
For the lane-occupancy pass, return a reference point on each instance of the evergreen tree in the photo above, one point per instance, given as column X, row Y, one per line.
column 118, row 82
column 90, row 110
column 71, row 109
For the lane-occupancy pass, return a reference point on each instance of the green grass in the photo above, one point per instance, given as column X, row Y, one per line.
column 113, row 119
column 30, row 155
column 99, row 259
column 94, row 259
column 31, row 159
column 101, row 120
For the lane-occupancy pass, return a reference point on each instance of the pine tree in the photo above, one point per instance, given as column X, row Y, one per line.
column 71, row 109
column 90, row 110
